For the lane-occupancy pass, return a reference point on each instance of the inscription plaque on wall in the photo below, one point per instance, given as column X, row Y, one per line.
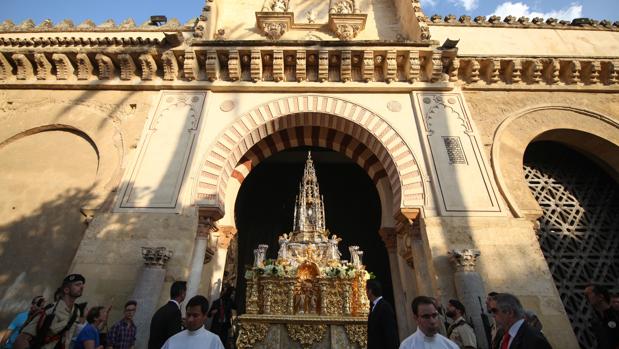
column 455, row 153
column 461, row 174
column 155, row 180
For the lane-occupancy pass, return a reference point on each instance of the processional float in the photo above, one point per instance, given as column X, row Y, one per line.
column 308, row 297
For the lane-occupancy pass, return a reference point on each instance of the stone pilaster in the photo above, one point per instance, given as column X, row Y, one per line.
column 148, row 289
column 215, row 270
column 206, row 226
column 470, row 288
column 390, row 238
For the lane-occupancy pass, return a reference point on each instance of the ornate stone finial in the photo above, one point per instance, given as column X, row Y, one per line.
column 279, row 6
column 27, row 24
column 156, row 256
column 480, row 19
column 127, row 23
column 436, row 18
column 65, row 24
column 86, row 24
column 465, row 259
column 107, row 24
column 46, row 24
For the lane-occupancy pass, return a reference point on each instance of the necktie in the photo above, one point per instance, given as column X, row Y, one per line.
column 505, row 341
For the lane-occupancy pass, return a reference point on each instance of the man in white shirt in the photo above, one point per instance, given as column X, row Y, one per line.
column 195, row 336
column 426, row 336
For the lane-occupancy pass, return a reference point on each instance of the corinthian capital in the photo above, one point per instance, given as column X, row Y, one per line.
column 465, row 259
column 156, row 256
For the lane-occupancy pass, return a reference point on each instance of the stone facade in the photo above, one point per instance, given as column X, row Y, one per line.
column 118, row 137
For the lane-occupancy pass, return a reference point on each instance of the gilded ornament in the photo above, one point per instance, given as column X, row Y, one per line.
column 306, row 334
column 357, row 334
column 250, row 334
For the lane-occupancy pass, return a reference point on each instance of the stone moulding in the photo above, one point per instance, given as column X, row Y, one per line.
column 347, row 26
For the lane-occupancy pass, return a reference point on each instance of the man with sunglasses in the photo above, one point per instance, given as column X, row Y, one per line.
column 428, row 324
column 517, row 334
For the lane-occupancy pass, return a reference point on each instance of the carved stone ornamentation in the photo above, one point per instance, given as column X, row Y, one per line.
column 301, row 69
column 212, row 65
column 274, row 24
column 84, row 67
column 342, row 7
column 6, row 70
column 25, row 71
column 64, row 67
column 156, row 256
column 464, row 260
column 346, row 26
column 306, row 335
column 127, row 66
column 148, row 65
column 170, row 66
column 368, row 65
column 323, row 65
column 274, row 30
column 44, row 67
column 389, row 237
column 107, row 71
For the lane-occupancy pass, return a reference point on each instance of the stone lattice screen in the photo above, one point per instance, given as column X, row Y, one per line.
column 578, row 232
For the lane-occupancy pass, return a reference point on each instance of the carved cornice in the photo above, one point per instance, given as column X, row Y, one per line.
column 464, row 260
column 404, row 67
column 156, row 256
column 523, row 22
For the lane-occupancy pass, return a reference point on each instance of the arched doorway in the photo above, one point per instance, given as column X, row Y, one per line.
column 578, row 229
column 265, row 204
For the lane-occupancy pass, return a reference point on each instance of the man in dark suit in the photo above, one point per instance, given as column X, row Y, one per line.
column 509, row 316
column 382, row 328
column 167, row 320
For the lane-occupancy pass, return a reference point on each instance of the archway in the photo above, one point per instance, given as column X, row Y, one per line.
column 264, row 208
column 577, row 228
column 327, row 113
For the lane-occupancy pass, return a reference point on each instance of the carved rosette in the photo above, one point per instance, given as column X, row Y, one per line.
column 250, row 334
column 274, row 24
column 465, row 259
column 306, row 335
column 357, row 334
column 156, row 257
column 347, row 26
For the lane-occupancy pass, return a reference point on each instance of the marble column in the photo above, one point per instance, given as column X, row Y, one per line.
column 389, row 237
column 206, row 226
column 470, row 289
column 148, row 290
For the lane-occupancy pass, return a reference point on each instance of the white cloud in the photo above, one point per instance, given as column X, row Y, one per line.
column 518, row 9
column 467, row 4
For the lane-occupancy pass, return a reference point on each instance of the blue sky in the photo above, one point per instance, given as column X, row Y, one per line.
column 140, row 10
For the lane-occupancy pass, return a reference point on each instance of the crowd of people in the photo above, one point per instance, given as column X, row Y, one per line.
column 66, row 324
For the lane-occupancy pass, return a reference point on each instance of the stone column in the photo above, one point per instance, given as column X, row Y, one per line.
column 470, row 289
column 219, row 243
column 148, row 290
column 389, row 237
column 206, row 225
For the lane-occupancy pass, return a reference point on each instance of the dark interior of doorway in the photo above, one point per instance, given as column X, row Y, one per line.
column 265, row 206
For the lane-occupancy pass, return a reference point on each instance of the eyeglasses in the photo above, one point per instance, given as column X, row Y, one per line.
column 429, row 316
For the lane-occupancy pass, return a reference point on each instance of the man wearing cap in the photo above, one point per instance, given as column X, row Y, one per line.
column 59, row 321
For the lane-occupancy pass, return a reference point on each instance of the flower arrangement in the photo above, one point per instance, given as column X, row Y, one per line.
column 342, row 272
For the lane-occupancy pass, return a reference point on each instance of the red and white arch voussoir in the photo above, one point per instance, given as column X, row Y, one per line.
column 302, row 113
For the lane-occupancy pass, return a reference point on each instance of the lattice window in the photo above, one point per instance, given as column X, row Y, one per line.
column 578, row 232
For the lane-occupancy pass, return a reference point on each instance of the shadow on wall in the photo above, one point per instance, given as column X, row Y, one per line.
column 37, row 249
